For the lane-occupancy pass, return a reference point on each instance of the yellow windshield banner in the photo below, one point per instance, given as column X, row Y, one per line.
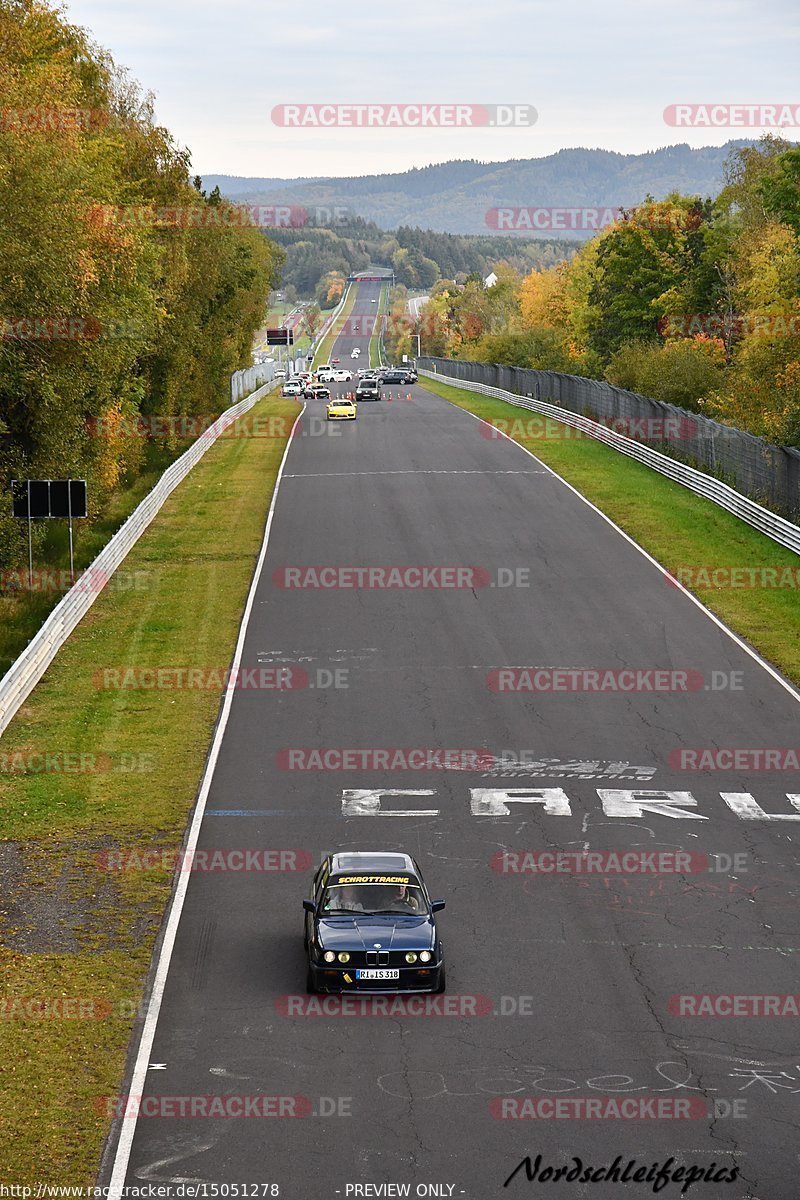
column 371, row 879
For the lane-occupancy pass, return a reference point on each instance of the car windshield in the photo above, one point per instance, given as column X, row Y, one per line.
column 386, row 895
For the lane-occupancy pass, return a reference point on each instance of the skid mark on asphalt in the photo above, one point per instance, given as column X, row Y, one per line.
column 204, row 945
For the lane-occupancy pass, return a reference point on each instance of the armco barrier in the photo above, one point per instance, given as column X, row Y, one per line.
column 28, row 669
column 780, row 530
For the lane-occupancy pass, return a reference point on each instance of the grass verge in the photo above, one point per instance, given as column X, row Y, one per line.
column 123, row 769
column 679, row 529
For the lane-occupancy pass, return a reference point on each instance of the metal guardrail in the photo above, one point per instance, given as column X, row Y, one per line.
column 23, row 675
column 776, row 527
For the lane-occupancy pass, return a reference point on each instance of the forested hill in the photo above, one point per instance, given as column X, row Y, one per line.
column 456, row 196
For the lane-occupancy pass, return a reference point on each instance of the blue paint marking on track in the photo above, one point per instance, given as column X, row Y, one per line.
column 251, row 812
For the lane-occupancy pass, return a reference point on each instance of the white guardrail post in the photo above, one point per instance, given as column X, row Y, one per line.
column 784, row 532
column 23, row 675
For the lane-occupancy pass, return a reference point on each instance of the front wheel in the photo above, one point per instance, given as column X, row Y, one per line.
column 442, row 985
column 311, row 986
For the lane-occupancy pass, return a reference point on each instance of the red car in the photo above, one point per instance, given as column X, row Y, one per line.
column 335, row 360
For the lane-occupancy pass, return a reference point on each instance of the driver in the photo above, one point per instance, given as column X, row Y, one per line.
column 404, row 899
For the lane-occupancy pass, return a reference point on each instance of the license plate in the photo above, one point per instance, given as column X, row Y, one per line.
column 377, row 974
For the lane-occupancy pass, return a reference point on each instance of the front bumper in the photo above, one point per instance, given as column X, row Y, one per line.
column 412, row 979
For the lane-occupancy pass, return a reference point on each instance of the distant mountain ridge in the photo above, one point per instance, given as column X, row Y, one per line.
column 455, row 196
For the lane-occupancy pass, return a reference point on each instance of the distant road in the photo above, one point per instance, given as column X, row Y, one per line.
column 415, row 304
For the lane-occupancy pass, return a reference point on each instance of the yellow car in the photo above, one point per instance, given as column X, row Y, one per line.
column 341, row 410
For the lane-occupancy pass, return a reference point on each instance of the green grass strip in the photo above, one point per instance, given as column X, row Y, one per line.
column 123, row 771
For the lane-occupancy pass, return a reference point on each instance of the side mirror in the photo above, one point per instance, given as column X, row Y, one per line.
column 437, row 905
column 309, row 906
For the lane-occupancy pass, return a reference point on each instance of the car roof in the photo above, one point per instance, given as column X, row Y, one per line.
column 371, row 860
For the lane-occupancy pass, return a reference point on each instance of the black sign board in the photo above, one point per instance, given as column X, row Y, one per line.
column 280, row 337
column 48, row 498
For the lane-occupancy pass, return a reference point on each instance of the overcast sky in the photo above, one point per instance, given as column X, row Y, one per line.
column 599, row 75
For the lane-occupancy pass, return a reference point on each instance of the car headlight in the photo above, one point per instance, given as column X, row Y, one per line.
column 329, row 956
column 425, row 956
column 344, row 957
column 411, row 957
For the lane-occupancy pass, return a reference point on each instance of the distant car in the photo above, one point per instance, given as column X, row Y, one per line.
column 370, row 926
column 355, row 353
column 292, row 387
column 342, row 376
column 394, row 376
column 279, row 373
column 315, row 391
column 325, row 374
column 341, row 410
column 368, row 389
column 335, row 361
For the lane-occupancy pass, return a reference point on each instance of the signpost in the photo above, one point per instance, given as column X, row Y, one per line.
column 48, row 498
column 280, row 337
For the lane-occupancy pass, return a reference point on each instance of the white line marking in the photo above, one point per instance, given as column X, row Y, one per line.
column 138, row 1078
column 787, row 687
column 421, row 471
